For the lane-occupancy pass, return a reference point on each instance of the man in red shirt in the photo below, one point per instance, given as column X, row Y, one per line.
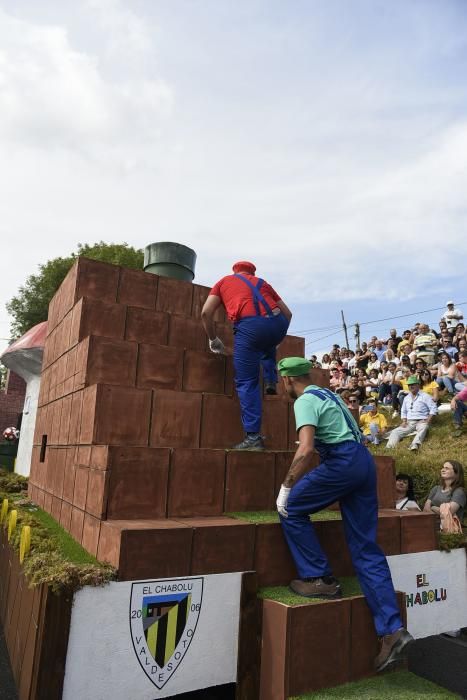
column 260, row 320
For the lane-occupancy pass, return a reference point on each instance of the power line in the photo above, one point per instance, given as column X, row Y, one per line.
column 317, row 340
column 415, row 313
column 306, row 331
column 337, row 327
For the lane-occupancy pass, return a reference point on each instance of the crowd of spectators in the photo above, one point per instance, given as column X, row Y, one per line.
column 410, row 373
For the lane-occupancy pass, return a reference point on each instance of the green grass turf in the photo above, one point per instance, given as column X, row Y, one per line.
column 271, row 516
column 68, row 547
column 282, row 594
column 400, row 684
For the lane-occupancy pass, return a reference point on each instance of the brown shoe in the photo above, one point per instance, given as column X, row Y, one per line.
column 325, row 587
column 393, row 649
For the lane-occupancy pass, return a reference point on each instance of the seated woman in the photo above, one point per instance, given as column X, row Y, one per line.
column 325, row 361
column 448, row 374
column 338, row 379
column 450, row 490
column 428, row 384
column 373, row 424
column 405, row 493
column 388, row 387
column 373, row 362
column 372, row 383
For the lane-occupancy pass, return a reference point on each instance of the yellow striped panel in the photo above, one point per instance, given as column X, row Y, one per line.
column 152, row 639
column 188, row 606
column 171, row 633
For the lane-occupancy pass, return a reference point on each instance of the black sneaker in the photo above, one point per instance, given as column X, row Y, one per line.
column 251, row 442
column 270, row 389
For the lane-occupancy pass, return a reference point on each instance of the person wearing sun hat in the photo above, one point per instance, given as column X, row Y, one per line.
column 452, row 315
column 260, row 319
column 346, row 473
column 418, row 409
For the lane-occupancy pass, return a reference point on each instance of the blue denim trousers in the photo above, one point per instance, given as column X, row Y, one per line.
column 347, row 473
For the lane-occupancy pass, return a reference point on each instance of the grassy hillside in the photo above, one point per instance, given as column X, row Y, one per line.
column 424, row 465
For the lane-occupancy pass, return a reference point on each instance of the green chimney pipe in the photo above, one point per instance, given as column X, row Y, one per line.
column 170, row 260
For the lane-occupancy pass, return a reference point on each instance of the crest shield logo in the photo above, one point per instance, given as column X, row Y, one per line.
column 163, row 619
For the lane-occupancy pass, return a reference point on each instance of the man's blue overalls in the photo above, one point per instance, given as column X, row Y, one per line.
column 347, row 473
column 255, row 340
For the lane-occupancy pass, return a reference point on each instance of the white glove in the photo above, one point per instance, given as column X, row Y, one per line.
column 281, row 502
column 217, row 346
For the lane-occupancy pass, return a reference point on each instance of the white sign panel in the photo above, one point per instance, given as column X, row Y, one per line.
column 435, row 584
column 146, row 640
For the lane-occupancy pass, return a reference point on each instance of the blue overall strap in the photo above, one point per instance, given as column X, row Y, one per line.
column 349, row 419
column 257, row 296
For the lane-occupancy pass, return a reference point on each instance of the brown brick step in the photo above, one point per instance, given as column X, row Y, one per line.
column 122, row 415
column 143, row 482
column 183, row 546
column 399, row 532
column 306, row 647
column 171, row 354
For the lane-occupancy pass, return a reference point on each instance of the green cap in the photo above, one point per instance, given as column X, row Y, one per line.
column 413, row 380
column 294, row 366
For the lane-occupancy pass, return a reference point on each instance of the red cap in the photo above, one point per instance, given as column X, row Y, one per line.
column 244, row 266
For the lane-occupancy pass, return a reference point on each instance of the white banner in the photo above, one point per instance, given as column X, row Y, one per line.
column 153, row 639
column 435, row 584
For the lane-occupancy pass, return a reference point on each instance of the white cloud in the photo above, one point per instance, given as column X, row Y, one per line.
column 53, row 95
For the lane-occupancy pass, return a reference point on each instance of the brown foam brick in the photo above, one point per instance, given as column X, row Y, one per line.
column 221, row 426
column 69, row 475
column 65, row 515
column 187, row 333
column 146, row 326
column 386, row 481
column 137, row 483
column 274, row 425
column 221, row 545
column 97, row 280
column 319, row 636
column 91, row 531
column 96, row 499
column 95, row 317
column 137, row 288
column 175, row 420
column 159, row 367
column 200, row 294
column 115, row 415
column 196, row 483
column 108, row 361
column 76, row 524
column 291, row 346
column 418, row 531
column 81, row 487
column 203, row 371
column 146, row 548
column 249, row 481
column 273, row 562
column 174, row 296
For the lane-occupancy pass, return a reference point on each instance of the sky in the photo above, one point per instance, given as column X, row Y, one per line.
column 324, row 140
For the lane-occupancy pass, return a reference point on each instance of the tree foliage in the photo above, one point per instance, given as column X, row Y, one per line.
column 30, row 305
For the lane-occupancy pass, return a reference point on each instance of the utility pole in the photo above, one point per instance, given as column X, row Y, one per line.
column 345, row 331
column 357, row 335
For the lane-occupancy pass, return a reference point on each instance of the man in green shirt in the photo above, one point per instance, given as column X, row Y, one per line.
column 347, row 473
